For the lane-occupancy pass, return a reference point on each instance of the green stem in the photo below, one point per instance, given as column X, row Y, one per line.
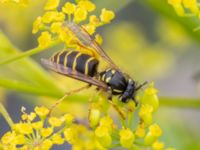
column 180, row 102
column 5, row 114
column 28, row 53
column 29, row 88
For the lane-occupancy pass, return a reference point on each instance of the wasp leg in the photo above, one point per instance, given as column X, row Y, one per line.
column 66, row 95
column 121, row 114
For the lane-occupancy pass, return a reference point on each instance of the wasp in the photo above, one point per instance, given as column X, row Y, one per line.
column 84, row 67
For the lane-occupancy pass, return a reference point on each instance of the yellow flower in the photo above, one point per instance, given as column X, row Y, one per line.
column 37, row 125
column 80, row 15
column 94, row 20
column 155, row 130
column 24, row 116
column 90, row 28
column 44, row 40
column 192, row 5
column 51, row 4
column 32, row 116
column 177, row 4
column 106, row 15
column 68, row 118
column 8, row 137
column 20, row 139
column 145, row 114
column 55, row 122
column 37, row 25
column 57, row 139
column 140, row 131
column 158, row 145
column 46, row 144
column 126, row 137
column 46, row 132
column 108, row 122
column 153, row 134
column 70, row 135
column 49, row 16
column 59, row 16
column 87, row 5
column 150, row 97
column 23, row 128
column 98, row 39
column 69, row 8
column 103, row 135
column 56, row 27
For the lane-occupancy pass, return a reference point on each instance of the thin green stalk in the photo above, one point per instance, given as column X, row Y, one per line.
column 28, row 53
column 180, row 102
column 5, row 114
column 29, row 88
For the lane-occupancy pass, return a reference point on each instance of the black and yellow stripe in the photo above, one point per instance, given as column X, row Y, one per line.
column 76, row 60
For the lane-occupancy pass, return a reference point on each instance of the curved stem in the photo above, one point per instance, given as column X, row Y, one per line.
column 5, row 114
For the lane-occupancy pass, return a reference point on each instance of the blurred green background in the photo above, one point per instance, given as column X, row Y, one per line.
column 147, row 39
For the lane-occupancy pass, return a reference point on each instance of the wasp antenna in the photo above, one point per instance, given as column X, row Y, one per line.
column 141, row 85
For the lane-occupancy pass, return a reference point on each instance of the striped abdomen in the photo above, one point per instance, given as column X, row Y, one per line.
column 78, row 61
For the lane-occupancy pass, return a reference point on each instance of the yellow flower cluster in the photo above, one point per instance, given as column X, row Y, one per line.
column 181, row 6
column 51, row 23
column 37, row 135
column 39, row 131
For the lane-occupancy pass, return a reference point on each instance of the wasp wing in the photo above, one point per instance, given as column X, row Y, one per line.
column 73, row 74
column 88, row 41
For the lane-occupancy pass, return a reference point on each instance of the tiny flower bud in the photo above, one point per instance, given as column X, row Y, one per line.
column 94, row 117
column 103, row 136
column 45, row 132
column 150, row 97
column 107, row 15
column 158, row 145
column 55, row 122
column 51, row 4
column 126, row 137
column 41, row 111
